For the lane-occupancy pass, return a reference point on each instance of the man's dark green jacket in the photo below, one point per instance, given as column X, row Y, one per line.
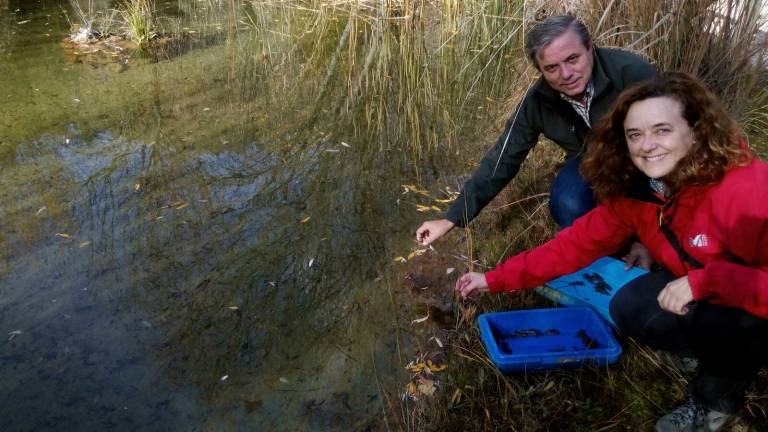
column 543, row 111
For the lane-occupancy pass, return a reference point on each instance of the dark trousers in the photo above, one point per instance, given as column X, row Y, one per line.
column 570, row 196
column 729, row 343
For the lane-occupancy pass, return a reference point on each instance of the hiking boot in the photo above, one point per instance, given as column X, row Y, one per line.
column 692, row 417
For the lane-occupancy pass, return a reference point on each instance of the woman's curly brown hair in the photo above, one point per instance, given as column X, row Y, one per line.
column 717, row 146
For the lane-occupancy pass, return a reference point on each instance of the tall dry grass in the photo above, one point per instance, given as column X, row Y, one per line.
column 719, row 41
column 410, row 72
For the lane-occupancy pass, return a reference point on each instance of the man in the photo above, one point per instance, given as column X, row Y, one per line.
column 578, row 83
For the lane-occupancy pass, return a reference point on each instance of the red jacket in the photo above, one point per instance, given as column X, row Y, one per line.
column 723, row 226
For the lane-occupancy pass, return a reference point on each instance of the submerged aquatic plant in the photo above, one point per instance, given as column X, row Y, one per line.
column 139, row 21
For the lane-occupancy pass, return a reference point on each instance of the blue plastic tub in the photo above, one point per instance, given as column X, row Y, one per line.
column 540, row 339
column 594, row 285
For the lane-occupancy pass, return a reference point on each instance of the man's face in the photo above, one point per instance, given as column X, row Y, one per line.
column 566, row 64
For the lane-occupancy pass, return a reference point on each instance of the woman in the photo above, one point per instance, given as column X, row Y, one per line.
column 669, row 165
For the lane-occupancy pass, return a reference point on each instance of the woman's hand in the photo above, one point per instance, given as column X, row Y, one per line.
column 472, row 284
column 638, row 256
column 676, row 296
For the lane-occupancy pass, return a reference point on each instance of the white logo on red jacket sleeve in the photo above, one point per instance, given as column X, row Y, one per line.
column 699, row 240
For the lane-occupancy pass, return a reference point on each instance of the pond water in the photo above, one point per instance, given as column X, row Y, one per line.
column 189, row 244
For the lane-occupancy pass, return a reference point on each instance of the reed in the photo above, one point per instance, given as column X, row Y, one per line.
column 139, row 23
column 722, row 42
column 408, row 75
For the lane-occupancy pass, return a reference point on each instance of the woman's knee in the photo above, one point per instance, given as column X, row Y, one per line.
column 636, row 311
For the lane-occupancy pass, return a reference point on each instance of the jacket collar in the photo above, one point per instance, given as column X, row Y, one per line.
column 599, row 78
column 640, row 189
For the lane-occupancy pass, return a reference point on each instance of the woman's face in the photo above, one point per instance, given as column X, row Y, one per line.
column 657, row 135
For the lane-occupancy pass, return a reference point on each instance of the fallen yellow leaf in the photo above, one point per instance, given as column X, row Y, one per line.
column 417, row 367
column 445, row 201
column 136, row 187
column 305, row 220
column 400, row 259
column 85, row 243
column 413, row 188
column 436, row 368
column 416, row 253
column 63, row 235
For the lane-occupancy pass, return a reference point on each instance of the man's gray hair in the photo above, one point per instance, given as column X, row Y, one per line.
column 542, row 34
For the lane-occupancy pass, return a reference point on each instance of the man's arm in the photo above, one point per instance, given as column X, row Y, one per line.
column 499, row 166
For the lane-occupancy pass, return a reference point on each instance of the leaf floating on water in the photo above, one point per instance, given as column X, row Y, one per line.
column 23, row 22
column 345, row 144
column 311, row 261
column 305, row 220
column 84, row 243
column 63, row 235
column 284, row 380
column 332, row 150
column 420, row 320
column 136, row 187
column 224, row 378
column 410, row 389
column 456, row 396
column 438, row 341
column 415, row 189
column 449, row 270
column 13, row 334
column 234, row 308
column 40, row 210
column 434, row 367
column 400, row 259
column 445, row 201
column 416, row 368
column 76, row 100
column 416, row 253
column 181, row 206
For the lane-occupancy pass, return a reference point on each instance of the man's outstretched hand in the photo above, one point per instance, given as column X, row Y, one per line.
column 432, row 230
